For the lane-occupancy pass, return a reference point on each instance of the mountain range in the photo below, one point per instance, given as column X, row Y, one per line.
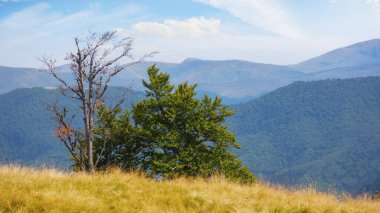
column 235, row 79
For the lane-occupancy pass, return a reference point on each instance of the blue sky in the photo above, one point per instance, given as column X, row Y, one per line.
column 266, row 31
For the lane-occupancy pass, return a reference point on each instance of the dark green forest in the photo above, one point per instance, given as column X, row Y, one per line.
column 325, row 133
column 321, row 132
column 27, row 125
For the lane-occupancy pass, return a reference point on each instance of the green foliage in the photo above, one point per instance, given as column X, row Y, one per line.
column 114, row 140
column 173, row 134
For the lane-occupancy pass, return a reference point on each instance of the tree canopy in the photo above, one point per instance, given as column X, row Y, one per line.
column 171, row 133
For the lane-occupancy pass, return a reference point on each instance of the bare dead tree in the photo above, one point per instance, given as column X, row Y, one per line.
column 95, row 61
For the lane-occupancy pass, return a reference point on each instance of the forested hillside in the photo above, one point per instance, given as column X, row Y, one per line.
column 324, row 132
column 27, row 126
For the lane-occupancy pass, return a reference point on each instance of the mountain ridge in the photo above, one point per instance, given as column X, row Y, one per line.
column 230, row 78
column 361, row 53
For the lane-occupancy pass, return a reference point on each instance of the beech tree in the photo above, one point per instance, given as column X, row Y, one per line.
column 94, row 62
column 171, row 133
column 185, row 135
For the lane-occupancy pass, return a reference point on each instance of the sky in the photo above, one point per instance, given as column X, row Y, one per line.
column 264, row 31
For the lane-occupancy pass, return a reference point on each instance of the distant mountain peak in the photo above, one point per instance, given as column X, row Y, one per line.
column 191, row 60
column 362, row 53
column 375, row 41
column 51, row 88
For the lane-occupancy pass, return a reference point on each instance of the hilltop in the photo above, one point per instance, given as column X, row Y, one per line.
column 25, row 189
column 358, row 54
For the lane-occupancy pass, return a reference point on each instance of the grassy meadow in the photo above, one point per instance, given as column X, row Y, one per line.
column 48, row 190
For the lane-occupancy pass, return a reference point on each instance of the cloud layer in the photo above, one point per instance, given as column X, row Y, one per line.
column 39, row 29
column 269, row 15
column 267, row 31
column 194, row 27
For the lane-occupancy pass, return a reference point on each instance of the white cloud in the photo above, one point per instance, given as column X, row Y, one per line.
column 194, row 27
column 29, row 17
column 268, row 15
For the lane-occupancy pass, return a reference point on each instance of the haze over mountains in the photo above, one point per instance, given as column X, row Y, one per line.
column 231, row 78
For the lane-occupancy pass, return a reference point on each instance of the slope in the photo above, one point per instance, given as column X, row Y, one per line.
column 362, row 53
column 323, row 131
column 26, row 126
column 30, row 190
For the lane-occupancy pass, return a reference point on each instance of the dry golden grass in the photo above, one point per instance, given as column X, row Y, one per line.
column 47, row 190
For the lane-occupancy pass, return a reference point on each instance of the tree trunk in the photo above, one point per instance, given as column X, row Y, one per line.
column 90, row 128
column 87, row 114
column 90, row 157
column 89, row 136
column 90, row 166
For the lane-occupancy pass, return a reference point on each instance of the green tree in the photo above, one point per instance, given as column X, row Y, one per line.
column 114, row 140
column 181, row 135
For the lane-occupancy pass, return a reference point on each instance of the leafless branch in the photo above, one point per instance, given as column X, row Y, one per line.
column 94, row 62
